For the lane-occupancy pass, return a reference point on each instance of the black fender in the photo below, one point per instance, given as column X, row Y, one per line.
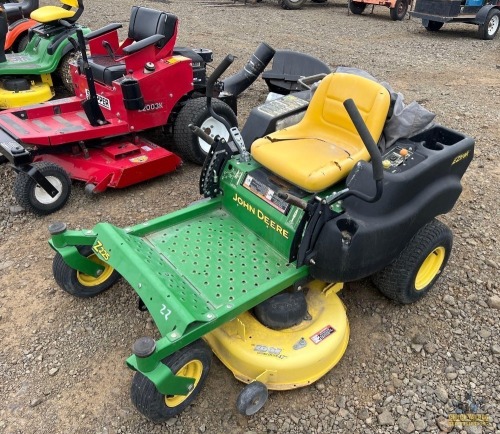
column 483, row 14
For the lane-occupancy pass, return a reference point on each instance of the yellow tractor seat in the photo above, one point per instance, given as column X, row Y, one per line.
column 47, row 14
column 324, row 146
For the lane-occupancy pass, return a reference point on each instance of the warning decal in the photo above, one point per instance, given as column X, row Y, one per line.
column 322, row 334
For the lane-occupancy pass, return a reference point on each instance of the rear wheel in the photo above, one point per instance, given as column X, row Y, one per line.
column 398, row 12
column 192, row 361
column 63, row 73
column 490, row 27
column 432, row 26
column 357, row 8
column 34, row 198
column 195, row 112
column 21, row 43
column 80, row 284
column 418, row 266
column 292, row 4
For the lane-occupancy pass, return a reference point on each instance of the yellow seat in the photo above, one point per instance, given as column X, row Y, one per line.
column 47, row 14
column 324, row 146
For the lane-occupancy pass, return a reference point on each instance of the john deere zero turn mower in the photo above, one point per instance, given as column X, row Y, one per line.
column 254, row 269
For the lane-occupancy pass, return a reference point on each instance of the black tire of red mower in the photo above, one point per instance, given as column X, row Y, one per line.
column 63, row 74
column 67, row 278
column 3, row 159
column 21, row 43
column 399, row 10
column 292, row 5
column 151, row 403
column 433, row 26
column 357, row 8
column 483, row 29
column 195, row 112
column 397, row 280
column 282, row 311
column 24, row 189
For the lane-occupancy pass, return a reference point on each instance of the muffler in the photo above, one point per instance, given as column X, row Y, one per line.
column 240, row 81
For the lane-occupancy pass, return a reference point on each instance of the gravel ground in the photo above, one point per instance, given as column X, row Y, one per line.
column 62, row 359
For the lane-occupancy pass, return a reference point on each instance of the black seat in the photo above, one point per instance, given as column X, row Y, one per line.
column 144, row 23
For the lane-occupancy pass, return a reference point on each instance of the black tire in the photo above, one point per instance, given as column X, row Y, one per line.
column 3, row 159
column 418, row 266
column 21, row 43
column 196, row 359
column 63, row 74
column 489, row 29
column 80, row 284
column 195, row 111
column 319, row 1
column 292, row 4
column 282, row 311
column 357, row 8
column 399, row 10
column 33, row 198
column 432, row 26
column 252, row 398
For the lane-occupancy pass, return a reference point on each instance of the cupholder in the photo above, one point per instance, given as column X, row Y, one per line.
column 433, row 145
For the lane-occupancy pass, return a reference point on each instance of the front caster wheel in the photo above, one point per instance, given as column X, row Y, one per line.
column 418, row 266
column 192, row 361
column 195, row 112
column 80, row 284
column 252, row 398
column 34, row 198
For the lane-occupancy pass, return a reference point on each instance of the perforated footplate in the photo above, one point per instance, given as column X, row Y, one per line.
column 220, row 258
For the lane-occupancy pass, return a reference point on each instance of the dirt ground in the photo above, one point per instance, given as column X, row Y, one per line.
column 62, row 359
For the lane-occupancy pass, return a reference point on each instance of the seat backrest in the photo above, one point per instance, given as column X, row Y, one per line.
column 145, row 22
column 327, row 110
column 71, row 3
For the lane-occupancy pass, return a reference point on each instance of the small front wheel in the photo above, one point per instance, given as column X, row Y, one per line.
column 252, row 398
column 418, row 266
column 399, row 10
column 192, row 361
column 292, row 4
column 357, row 8
column 34, row 198
column 196, row 112
column 489, row 29
column 80, row 284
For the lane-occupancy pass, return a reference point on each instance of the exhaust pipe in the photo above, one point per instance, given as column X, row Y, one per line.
column 240, row 81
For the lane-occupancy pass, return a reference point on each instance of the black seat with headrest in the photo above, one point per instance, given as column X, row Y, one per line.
column 144, row 23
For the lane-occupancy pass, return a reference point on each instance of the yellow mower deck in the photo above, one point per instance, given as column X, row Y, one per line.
column 289, row 358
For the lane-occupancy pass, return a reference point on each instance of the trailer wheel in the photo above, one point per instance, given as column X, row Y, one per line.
column 63, row 73
column 418, row 266
column 292, row 4
column 357, row 8
column 398, row 12
column 489, row 29
column 252, row 398
column 196, row 112
column 80, row 284
column 432, row 26
column 34, row 198
column 21, row 43
column 192, row 361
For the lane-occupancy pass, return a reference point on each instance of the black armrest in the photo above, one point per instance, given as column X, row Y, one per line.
column 136, row 46
column 102, row 31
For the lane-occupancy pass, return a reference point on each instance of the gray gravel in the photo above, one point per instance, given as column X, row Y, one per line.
column 62, row 359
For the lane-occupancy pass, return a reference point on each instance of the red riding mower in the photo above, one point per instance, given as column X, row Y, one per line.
column 120, row 90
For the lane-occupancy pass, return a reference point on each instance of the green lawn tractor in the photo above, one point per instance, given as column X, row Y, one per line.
column 254, row 268
column 26, row 77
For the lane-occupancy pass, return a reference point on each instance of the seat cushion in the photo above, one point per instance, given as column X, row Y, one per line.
column 105, row 69
column 324, row 146
column 47, row 14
